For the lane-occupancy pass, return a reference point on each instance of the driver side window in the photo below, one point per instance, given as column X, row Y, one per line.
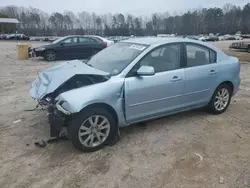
column 163, row 59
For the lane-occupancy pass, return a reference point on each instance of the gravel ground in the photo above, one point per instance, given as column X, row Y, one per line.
column 192, row 149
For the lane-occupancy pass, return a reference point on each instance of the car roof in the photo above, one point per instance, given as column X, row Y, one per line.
column 68, row 36
column 97, row 36
column 76, row 36
column 93, row 36
column 157, row 41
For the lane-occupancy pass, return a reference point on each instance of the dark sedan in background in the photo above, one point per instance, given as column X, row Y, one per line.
column 70, row 47
column 16, row 37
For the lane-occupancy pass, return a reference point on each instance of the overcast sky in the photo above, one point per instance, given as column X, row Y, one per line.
column 138, row 7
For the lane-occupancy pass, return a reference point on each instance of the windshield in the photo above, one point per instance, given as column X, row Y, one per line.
column 115, row 58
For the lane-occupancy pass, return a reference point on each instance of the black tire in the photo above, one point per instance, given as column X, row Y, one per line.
column 248, row 49
column 211, row 106
column 81, row 117
column 50, row 55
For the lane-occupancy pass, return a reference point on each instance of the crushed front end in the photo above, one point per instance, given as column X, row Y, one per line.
column 57, row 121
column 56, row 80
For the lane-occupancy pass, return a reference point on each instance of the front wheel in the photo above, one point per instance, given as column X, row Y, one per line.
column 92, row 129
column 221, row 99
column 50, row 55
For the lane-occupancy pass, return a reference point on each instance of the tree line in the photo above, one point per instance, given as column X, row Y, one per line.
column 226, row 20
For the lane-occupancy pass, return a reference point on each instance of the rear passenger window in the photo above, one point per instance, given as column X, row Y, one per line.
column 84, row 40
column 198, row 55
column 97, row 39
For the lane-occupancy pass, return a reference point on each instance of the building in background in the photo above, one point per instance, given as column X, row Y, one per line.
column 9, row 25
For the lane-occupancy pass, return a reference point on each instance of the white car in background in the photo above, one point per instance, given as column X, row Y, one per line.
column 203, row 38
column 230, row 37
column 238, row 37
column 104, row 40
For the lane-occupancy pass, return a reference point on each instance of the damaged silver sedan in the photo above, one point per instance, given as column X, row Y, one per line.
column 134, row 81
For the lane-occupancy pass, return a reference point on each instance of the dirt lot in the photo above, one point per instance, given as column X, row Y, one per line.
column 193, row 149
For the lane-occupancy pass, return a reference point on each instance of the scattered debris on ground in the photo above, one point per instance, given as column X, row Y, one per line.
column 17, row 121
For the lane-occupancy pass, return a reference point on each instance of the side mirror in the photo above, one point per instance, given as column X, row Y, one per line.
column 62, row 43
column 146, row 71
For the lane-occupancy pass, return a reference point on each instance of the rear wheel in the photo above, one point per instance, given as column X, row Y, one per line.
column 221, row 99
column 248, row 49
column 50, row 55
column 92, row 129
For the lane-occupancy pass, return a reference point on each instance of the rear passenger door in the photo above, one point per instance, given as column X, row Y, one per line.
column 201, row 74
column 88, row 47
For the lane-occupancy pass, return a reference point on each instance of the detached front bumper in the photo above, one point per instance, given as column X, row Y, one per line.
column 57, row 120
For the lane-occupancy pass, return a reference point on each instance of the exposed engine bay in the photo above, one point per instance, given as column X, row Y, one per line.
column 61, row 78
column 74, row 82
column 56, row 118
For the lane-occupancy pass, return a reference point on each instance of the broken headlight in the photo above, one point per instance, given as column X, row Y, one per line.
column 63, row 106
column 49, row 99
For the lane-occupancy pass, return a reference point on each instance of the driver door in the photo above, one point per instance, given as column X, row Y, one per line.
column 68, row 49
column 151, row 96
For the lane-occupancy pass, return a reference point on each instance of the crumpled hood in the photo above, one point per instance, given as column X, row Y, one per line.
column 50, row 79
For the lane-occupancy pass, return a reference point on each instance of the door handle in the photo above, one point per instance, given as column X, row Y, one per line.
column 176, row 79
column 212, row 72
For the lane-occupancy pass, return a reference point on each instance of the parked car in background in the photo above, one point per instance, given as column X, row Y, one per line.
column 70, row 47
column 51, row 39
column 245, row 36
column 17, row 37
column 208, row 38
column 44, row 38
column 238, row 37
column 202, row 38
column 213, row 38
column 241, row 46
column 221, row 38
column 3, row 36
column 117, row 38
column 194, row 37
column 230, row 37
column 105, row 41
column 134, row 81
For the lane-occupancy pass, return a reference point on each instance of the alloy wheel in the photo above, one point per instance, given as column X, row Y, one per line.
column 221, row 99
column 94, row 131
column 51, row 56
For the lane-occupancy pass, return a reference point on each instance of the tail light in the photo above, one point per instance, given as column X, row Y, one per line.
column 105, row 43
